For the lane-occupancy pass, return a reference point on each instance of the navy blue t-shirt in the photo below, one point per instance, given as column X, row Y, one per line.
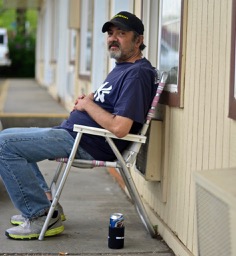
column 127, row 91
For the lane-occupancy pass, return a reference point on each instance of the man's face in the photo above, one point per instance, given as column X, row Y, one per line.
column 121, row 44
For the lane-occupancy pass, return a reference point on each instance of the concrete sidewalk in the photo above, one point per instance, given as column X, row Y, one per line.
column 24, row 103
column 89, row 198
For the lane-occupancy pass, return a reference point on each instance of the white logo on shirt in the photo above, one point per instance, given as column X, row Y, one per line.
column 101, row 91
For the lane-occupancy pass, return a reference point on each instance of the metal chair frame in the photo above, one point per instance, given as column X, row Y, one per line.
column 123, row 162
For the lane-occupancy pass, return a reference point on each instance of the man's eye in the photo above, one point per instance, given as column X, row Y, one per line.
column 122, row 33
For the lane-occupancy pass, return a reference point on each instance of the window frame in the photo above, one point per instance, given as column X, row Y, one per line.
column 232, row 89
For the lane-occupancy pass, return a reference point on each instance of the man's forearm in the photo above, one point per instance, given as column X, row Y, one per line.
column 118, row 125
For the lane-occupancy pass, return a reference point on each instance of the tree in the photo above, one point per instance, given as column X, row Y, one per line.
column 21, row 25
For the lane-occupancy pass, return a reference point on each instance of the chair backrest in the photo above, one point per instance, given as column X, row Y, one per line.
column 160, row 86
column 132, row 150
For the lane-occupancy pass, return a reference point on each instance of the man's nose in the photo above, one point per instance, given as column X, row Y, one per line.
column 113, row 37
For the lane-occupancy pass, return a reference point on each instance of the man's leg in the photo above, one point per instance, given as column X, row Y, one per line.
column 35, row 168
column 17, row 153
column 19, row 219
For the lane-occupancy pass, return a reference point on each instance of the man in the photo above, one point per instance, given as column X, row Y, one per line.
column 120, row 105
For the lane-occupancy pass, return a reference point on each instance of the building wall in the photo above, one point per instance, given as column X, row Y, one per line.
column 201, row 136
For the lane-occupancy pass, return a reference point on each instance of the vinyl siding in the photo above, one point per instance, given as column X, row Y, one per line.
column 201, row 136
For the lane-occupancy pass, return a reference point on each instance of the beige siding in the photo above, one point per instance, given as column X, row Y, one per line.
column 74, row 17
column 233, row 144
column 201, row 136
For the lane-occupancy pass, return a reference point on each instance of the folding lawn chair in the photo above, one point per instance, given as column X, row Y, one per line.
column 123, row 162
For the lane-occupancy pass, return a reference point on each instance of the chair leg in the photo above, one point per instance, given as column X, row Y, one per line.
column 137, row 201
column 125, row 173
column 60, row 186
column 55, row 200
column 55, row 179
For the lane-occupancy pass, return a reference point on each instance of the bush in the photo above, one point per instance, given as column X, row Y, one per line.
column 22, row 55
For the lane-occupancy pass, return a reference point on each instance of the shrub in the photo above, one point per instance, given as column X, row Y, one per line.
column 22, row 55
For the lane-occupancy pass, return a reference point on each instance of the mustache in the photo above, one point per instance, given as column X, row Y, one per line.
column 114, row 44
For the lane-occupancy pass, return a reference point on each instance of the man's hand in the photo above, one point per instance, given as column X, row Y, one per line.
column 118, row 125
column 77, row 100
column 82, row 101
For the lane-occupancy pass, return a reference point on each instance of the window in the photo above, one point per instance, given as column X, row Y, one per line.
column 72, row 49
column 1, row 39
column 165, row 43
column 169, row 41
column 232, row 96
column 86, row 41
column 170, row 45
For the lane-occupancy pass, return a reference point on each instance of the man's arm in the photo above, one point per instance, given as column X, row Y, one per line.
column 118, row 125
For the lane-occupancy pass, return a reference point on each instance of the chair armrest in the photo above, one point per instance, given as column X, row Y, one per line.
column 106, row 133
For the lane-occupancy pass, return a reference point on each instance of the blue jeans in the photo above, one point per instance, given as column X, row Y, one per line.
column 20, row 150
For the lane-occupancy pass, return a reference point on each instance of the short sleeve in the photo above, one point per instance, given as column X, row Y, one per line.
column 135, row 96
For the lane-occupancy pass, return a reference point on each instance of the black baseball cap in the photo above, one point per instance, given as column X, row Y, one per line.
column 126, row 21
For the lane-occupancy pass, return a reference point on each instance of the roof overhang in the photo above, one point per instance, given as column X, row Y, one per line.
column 22, row 4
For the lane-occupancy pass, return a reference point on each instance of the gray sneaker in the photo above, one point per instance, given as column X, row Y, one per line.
column 19, row 219
column 31, row 229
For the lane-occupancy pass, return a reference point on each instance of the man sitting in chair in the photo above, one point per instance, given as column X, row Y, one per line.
column 120, row 105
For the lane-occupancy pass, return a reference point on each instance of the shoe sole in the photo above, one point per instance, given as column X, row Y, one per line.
column 17, row 223
column 50, row 232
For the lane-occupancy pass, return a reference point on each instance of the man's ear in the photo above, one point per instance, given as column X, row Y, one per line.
column 139, row 39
